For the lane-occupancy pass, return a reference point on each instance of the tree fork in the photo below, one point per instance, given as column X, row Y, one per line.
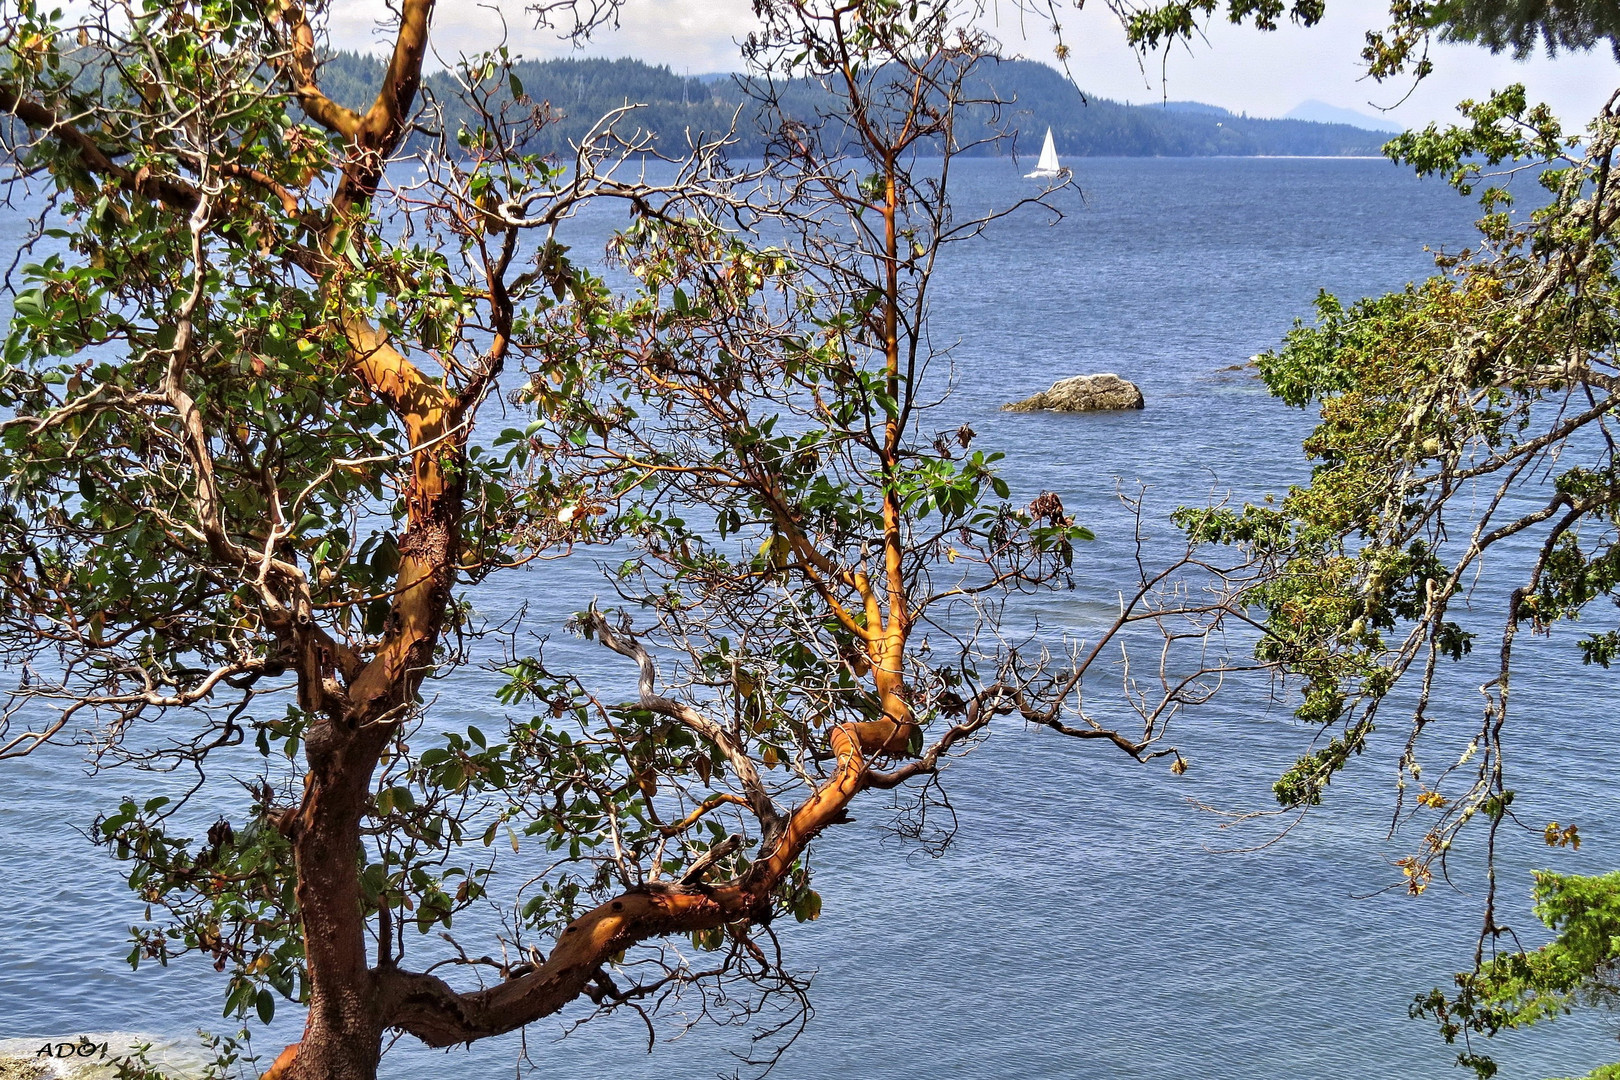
column 342, row 1035
column 343, row 1030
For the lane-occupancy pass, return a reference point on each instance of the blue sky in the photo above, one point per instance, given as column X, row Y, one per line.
column 1264, row 74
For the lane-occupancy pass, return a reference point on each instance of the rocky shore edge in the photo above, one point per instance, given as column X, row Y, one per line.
column 96, row 1056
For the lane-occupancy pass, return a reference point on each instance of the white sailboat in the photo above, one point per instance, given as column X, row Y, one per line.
column 1048, row 166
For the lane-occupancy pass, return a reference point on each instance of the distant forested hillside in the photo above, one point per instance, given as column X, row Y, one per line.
column 582, row 90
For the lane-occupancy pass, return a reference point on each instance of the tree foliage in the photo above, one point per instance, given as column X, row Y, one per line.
column 1518, row 26
column 247, row 492
column 1466, row 489
column 1515, row 989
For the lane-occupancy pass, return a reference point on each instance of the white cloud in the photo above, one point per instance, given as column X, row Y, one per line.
column 1263, row 74
column 696, row 36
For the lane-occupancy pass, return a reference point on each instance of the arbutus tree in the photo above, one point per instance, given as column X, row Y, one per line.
column 244, row 503
column 238, row 461
column 820, row 576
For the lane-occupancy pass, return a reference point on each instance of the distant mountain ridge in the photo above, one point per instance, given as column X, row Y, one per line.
column 582, row 90
column 1322, row 113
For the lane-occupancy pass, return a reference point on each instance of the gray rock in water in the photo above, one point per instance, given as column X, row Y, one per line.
column 1104, row 392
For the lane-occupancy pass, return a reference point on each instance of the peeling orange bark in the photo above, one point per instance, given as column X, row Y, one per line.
column 427, row 550
column 894, row 734
column 351, row 726
column 282, row 1066
column 429, row 1009
column 343, row 1031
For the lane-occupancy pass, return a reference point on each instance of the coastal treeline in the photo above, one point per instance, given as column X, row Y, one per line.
column 673, row 106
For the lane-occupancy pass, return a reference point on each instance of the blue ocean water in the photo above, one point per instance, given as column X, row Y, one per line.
column 1087, row 923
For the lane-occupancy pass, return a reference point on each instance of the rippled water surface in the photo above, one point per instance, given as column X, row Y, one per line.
column 1086, row 923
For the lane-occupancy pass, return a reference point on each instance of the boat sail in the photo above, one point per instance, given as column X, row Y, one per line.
column 1048, row 166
